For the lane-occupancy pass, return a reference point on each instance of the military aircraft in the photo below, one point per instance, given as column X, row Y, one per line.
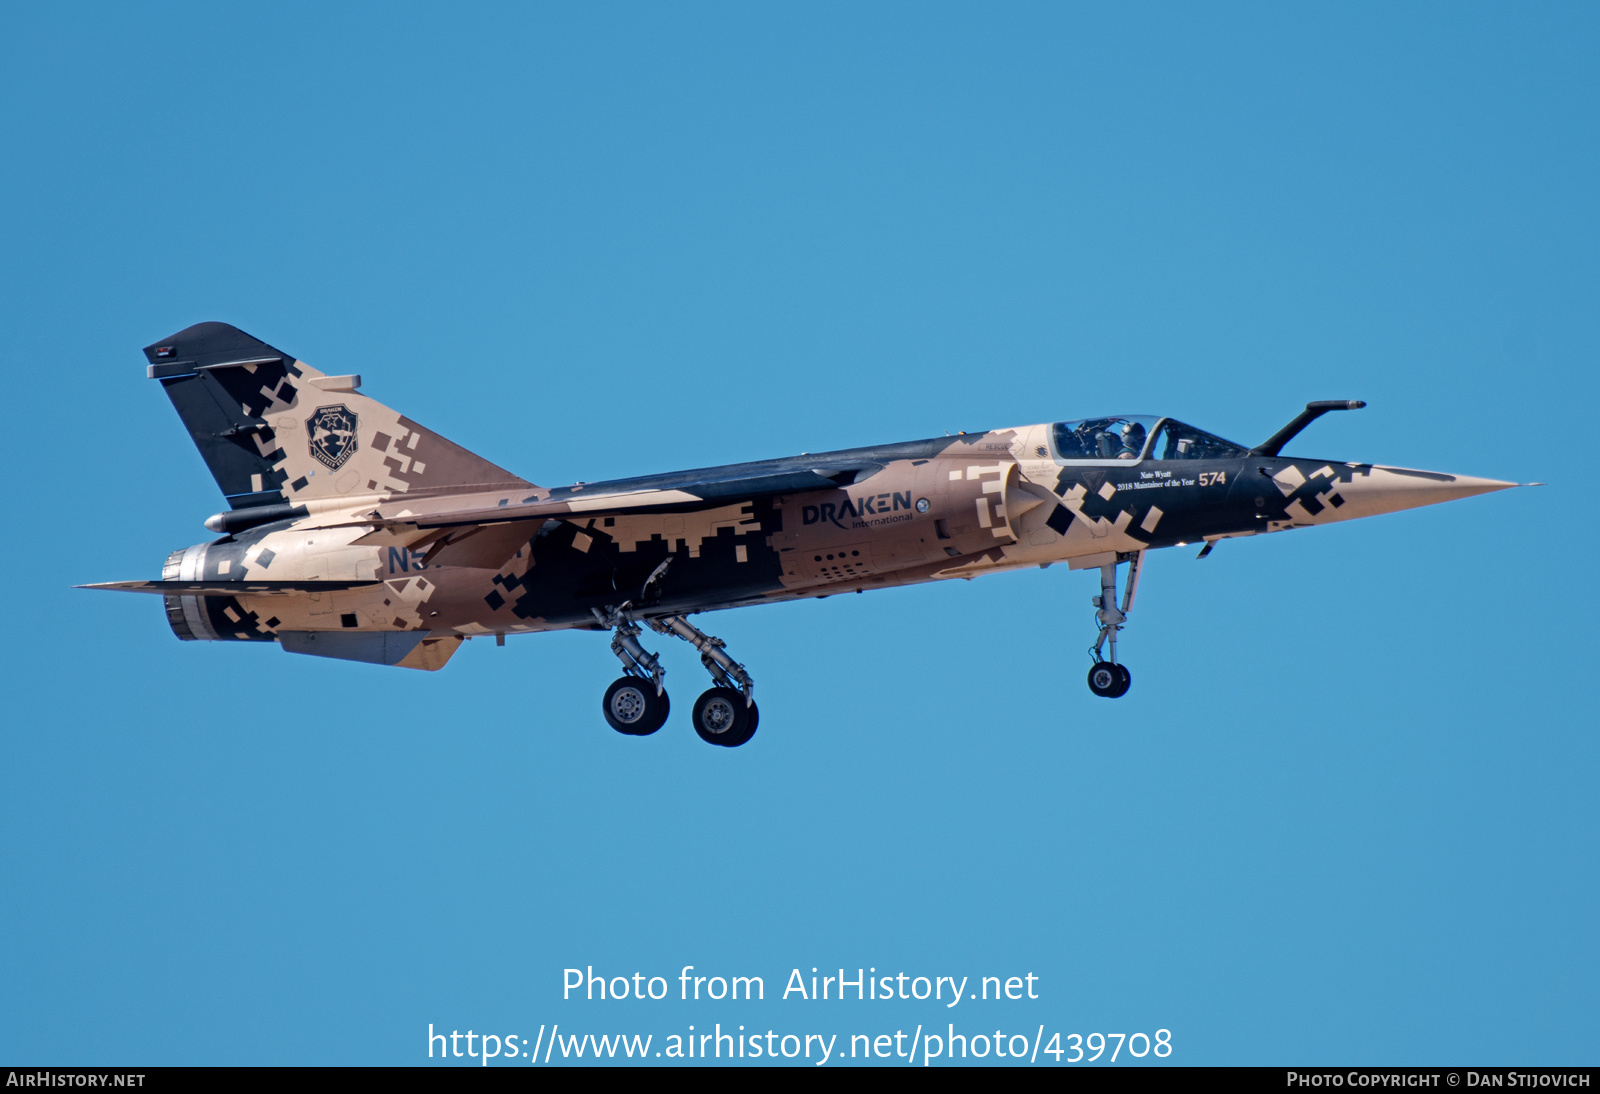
column 353, row 532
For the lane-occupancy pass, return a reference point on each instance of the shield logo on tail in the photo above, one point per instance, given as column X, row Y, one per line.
column 332, row 432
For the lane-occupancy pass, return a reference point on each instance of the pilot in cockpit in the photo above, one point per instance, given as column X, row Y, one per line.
column 1132, row 441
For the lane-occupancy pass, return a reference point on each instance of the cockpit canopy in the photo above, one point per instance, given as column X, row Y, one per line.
column 1138, row 437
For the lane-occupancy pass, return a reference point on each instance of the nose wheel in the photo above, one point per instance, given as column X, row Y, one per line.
column 1109, row 681
column 1108, row 678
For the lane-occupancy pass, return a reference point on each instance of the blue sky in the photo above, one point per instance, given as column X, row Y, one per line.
column 1347, row 811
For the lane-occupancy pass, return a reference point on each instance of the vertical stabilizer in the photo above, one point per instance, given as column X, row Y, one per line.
column 275, row 431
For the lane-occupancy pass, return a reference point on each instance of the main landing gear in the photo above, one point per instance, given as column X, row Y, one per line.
column 1108, row 678
column 637, row 704
column 727, row 713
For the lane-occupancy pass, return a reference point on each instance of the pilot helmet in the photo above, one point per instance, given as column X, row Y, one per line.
column 1133, row 436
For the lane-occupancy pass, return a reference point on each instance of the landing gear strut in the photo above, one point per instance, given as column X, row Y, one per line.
column 636, row 703
column 726, row 714
column 1108, row 678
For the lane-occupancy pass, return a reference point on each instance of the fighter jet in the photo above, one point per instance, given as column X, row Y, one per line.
column 353, row 532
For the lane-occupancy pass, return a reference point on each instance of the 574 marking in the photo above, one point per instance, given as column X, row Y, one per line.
column 1213, row 478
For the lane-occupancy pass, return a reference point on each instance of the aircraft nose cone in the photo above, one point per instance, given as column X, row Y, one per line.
column 1390, row 489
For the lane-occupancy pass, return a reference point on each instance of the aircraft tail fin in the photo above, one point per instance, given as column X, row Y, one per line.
column 274, row 431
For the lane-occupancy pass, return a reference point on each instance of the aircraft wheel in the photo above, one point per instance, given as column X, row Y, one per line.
column 665, row 701
column 1109, row 681
column 632, row 706
column 721, row 717
column 1125, row 681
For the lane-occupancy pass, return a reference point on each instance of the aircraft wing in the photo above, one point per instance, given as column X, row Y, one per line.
column 228, row 588
column 664, row 497
column 487, row 536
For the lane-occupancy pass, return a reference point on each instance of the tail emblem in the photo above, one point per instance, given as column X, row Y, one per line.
column 332, row 431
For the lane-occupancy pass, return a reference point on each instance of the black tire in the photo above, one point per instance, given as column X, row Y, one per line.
column 665, row 701
column 722, row 717
column 1124, row 682
column 632, row 706
column 753, row 711
column 1105, row 679
column 752, row 720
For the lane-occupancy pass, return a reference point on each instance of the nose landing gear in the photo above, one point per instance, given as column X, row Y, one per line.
column 1108, row 678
